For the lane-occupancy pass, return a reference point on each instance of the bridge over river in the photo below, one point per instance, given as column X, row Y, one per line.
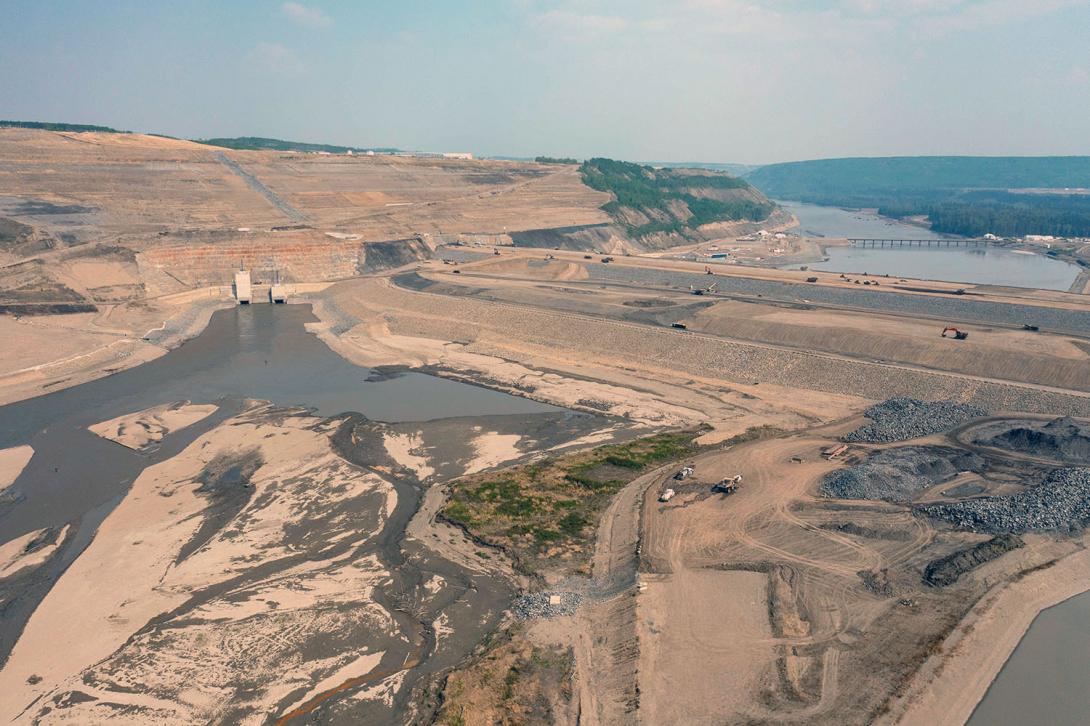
column 953, row 242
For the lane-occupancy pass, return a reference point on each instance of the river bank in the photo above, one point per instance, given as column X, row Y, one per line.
column 236, row 497
column 1005, row 264
column 949, row 685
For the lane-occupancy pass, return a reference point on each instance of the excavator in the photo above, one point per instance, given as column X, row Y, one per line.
column 957, row 334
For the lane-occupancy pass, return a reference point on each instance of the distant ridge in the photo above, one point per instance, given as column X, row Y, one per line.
column 840, row 178
column 50, row 126
column 1009, row 196
column 260, row 143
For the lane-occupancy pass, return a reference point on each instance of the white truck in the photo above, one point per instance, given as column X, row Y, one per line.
column 684, row 473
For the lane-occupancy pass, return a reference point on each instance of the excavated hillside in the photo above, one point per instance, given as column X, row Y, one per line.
column 659, row 208
column 94, row 217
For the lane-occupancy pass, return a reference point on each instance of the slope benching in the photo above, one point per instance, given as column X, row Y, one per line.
column 172, row 268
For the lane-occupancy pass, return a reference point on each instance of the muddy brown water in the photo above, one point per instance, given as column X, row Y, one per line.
column 258, row 352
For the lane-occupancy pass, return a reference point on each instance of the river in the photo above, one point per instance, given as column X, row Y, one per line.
column 261, row 352
column 1045, row 679
column 975, row 265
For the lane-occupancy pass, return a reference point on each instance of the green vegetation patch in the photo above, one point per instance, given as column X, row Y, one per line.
column 674, row 201
column 549, row 509
column 555, row 160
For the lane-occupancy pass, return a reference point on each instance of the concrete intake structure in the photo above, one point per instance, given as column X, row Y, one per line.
column 243, row 292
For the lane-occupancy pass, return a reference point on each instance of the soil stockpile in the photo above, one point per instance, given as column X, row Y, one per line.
column 898, row 475
column 1063, row 439
column 1060, row 503
column 901, row 419
column 946, row 570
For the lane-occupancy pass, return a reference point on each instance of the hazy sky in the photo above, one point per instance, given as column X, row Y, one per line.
column 708, row 80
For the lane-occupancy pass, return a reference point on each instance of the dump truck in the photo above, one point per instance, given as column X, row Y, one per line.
column 957, row 334
column 667, row 495
column 684, row 473
column 729, row 485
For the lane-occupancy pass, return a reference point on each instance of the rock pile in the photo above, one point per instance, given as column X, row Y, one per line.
column 1063, row 439
column 901, row 419
column 546, row 605
column 898, row 475
column 1060, row 503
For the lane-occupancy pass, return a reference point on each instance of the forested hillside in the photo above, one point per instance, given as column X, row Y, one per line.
column 672, row 201
column 959, row 194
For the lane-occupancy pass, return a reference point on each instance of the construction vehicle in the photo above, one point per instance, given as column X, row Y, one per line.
column 704, row 290
column 607, row 259
column 667, row 495
column 708, row 270
column 728, row 485
column 835, row 452
column 958, row 334
column 685, row 472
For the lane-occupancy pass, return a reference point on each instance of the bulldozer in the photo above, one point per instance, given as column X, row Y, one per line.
column 949, row 331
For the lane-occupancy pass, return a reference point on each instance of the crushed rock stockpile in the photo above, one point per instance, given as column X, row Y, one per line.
column 901, row 419
column 1062, row 439
column 927, row 306
column 1060, row 503
column 898, row 475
